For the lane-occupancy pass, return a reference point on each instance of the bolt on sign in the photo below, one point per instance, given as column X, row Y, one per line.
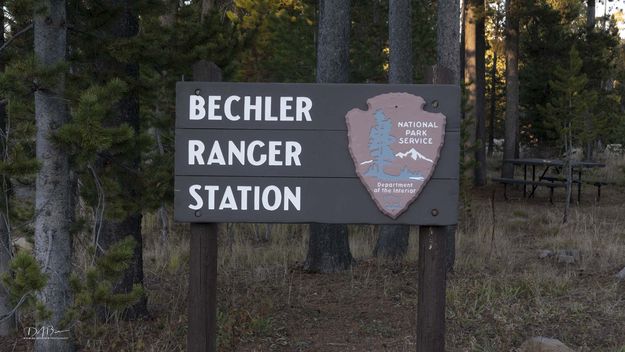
column 330, row 153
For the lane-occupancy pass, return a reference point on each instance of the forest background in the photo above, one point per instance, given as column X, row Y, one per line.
column 104, row 72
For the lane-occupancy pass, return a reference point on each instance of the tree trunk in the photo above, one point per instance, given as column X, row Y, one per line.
column 207, row 6
column 590, row 26
column 447, row 35
column 53, row 246
column 463, row 35
column 493, row 105
column 333, row 41
column 480, row 95
column 568, row 168
column 475, row 49
column 590, row 14
column 511, row 126
column 328, row 245
column 392, row 242
column 7, row 325
column 448, row 58
column 400, row 41
column 168, row 18
column 393, row 239
column 470, row 78
column 126, row 25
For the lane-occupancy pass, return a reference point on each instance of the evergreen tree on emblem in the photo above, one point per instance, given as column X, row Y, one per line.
column 380, row 141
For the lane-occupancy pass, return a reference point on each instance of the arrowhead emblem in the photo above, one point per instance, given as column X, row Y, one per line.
column 395, row 146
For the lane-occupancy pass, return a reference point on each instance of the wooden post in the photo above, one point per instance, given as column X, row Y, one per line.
column 202, row 331
column 432, row 286
column 434, row 244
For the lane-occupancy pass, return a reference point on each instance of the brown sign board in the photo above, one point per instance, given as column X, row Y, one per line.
column 331, row 153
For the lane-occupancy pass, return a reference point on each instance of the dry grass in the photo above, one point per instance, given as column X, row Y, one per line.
column 500, row 293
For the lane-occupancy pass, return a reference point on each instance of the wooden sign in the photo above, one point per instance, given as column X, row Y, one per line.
column 253, row 152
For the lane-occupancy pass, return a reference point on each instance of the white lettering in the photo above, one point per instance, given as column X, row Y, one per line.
column 213, row 105
column 228, row 108
column 199, row 203
column 285, row 107
column 250, row 153
column 248, row 107
column 228, row 201
column 293, row 199
column 211, row 196
column 256, row 198
column 239, row 153
column 293, row 150
column 244, row 191
column 268, row 116
column 302, row 109
column 273, row 153
column 196, row 148
column 277, row 195
column 216, row 156
column 196, row 107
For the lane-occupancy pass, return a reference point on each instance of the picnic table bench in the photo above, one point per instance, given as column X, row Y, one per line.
column 550, row 181
column 534, row 184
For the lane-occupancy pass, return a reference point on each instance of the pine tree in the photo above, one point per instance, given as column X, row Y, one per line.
column 53, row 245
column 567, row 111
column 380, row 141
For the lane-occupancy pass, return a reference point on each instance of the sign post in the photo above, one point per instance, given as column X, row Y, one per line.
column 433, row 264
column 202, row 309
column 325, row 153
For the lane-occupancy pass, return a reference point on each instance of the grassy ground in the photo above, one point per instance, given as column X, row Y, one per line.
column 500, row 293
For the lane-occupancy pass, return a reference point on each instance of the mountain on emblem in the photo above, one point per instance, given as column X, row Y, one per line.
column 395, row 145
column 414, row 155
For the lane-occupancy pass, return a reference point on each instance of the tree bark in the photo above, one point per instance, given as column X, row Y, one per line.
column 400, row 41
column 7, row 326
column 590, row 26
column 480, row 95
column 207, row 6
column 511, row 127
column 447, row 35
column 475, row 49
column 126, row 25
column 328, row 245
column 590, row 14
column 493, row 105
column 53, row 246
column 470, row 78
column 448, row 59
column 392, row 242
column 393, row 239
column 333, row 41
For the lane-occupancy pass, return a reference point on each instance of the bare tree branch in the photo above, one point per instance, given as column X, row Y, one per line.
column 15, row 36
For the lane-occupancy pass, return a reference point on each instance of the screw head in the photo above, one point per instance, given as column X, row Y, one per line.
column 198, row 213
column 434, row 212
column 435, row 103
column 197, row 92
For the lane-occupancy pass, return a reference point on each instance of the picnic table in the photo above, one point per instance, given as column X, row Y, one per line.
column 552, row 180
